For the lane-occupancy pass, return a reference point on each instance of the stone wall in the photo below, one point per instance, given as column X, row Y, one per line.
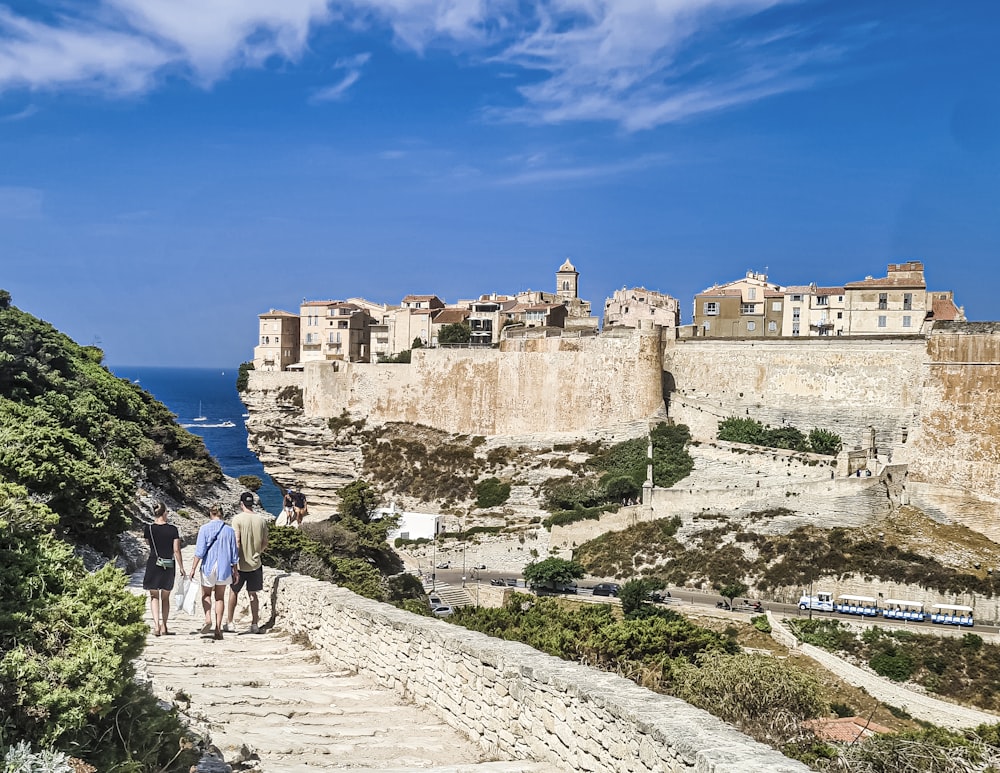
column 841, row 384
column 957, row 440
column 510, row 697
column 527, row 386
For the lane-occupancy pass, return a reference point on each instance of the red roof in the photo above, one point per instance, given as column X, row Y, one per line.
column 273, row 313
column 844, row 730
column 945, row 309
column 451, row 316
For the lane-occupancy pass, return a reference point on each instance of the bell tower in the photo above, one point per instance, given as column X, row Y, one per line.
column 567, row 281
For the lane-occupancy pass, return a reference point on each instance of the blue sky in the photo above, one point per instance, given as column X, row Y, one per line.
column 169, row 169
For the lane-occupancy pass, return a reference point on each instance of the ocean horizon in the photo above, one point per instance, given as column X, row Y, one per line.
column 206, row 403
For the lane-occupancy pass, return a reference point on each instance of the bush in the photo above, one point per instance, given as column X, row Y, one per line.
column 761, row 695
column 243, row 376
column 894, row 665
column 760, row 623
column 251, row 482
column 823, row 441
column 491, row 492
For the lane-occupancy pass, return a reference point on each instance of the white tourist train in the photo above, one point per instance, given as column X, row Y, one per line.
column 890, row 609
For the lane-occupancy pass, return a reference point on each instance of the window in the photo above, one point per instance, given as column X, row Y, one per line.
column 906, row 322
column 309, row 338
column 342, row 324
column 796, row 298
column 707, row 326
column 711, row 308
column 751, row 293
column 822, row 300
column 748, row 308
column 881, row 320
column 776, row 306
column 840, row 315
column 772, row 326
column 565, row 284
column 751, row 325
column 795, row 328
column 883, row 301
column 840, row 299
column 907, row 301
column 796, row 313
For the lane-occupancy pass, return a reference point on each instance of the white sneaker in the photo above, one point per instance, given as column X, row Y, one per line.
column 254, row 628
column 225, row 628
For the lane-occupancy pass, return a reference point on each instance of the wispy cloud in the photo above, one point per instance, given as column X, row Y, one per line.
column 18, row 203
column 353, row 65
column 20, row 115
column 535, row 175
column 638, row 63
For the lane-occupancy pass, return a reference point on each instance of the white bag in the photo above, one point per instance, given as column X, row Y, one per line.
column 191, row 596
column 180, row 589
column 282, row 520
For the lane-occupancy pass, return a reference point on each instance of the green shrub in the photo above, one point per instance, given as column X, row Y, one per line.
column 822, row 441
column 252, row 482
column 760, row 623
column 491, row 492
column 243, row 376
column 897, row 666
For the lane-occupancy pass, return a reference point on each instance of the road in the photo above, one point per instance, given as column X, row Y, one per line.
column 453, row 575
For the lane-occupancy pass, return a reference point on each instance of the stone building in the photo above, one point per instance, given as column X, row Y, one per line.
column 278, row 344
column 750, row 307
column 892, row 305
column 334, row 330
column 640, row 307
column 814, row 311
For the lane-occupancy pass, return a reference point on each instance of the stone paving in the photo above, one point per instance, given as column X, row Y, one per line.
column 267, row 703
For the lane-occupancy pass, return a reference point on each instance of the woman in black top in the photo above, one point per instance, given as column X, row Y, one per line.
column 164, row 559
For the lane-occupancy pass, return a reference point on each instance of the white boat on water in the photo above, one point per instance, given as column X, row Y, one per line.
column 201, row 416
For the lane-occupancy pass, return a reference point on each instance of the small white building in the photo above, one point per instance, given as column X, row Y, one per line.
column 412, row 525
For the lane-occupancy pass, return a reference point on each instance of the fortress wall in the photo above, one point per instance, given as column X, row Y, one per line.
column 529, row 386
column 840, row 384
column 511, row 697
column 958, row 440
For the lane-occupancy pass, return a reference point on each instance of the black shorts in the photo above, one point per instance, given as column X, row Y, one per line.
column 253, row 580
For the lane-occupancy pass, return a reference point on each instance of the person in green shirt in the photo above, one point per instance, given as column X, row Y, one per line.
column 251, row 541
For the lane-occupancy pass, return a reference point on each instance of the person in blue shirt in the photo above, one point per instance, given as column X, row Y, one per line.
column 217, row 555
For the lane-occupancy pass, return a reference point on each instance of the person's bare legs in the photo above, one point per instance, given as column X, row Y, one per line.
column 220, row 609
column 231, row 606
column 254, row 609
column 164, row 610
column 154, row 607
column 206, row 604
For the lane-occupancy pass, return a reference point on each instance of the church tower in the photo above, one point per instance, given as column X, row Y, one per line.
column 567, row 281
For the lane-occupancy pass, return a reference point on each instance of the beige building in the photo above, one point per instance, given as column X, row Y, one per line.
column 278, row 343
column 640, row 307
column 892, row 305
column 447, row 316
column 750, row 307
column 334, row 330
column 814, row 311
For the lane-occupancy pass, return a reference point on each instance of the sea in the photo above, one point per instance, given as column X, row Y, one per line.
column 205, row 402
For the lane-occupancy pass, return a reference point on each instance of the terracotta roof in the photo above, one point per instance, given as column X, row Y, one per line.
column 451, row 316
column 773, row 294
column 320, row 303
column 829, row 291
column 844, row 730
column 409, row 298
column 277, row 313
column 888, row 281
column 944, row 309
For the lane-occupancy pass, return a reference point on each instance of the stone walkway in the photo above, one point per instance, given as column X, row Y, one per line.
column 268, row 704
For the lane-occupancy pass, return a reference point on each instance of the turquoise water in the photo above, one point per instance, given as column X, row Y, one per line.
column 211, row 393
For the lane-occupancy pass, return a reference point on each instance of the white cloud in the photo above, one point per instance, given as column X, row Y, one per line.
column 18, row 203
column 20, row 115
column 353, row 65
column 639, row 63
column 534, row 174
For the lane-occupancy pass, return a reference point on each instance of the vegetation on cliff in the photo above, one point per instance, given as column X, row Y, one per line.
column 75, row 442
column 753, row 432
column 728, row 552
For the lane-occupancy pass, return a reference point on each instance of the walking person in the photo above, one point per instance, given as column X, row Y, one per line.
column 217, row 556
column 161, row 566
column 288, row 508
column 299, row 507
column 251, row 541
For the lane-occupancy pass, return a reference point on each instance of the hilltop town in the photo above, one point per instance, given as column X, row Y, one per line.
column 359, row 330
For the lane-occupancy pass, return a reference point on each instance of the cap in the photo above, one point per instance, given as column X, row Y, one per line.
column 247, row 498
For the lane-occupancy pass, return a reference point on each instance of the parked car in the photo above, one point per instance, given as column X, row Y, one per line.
column 442, row 611
column 435, row 601
column 444, row 565
column 607, row 589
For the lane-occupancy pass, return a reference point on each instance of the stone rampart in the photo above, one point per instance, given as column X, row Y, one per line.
column 510, row 697
column 528, row 386
column 841, row 384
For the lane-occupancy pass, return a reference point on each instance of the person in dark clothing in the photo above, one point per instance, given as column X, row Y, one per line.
column 299, row 507
column 164, row 559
